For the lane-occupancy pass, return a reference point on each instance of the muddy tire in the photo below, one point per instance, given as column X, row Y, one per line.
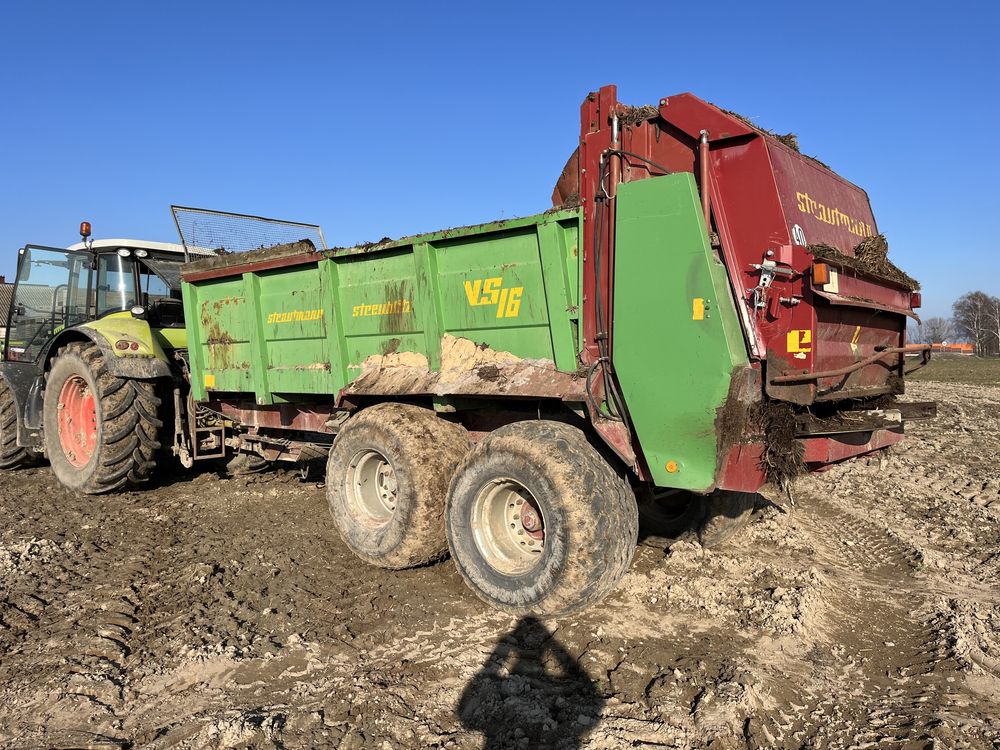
column 663, row 519
column 387, row 479
column 243, row 464
column 538, row 522
column 11, row 456
column 725, row 513
column 100, row 430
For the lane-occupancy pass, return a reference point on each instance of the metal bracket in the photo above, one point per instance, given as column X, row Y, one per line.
column 768, row 270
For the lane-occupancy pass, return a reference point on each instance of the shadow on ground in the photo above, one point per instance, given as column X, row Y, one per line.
column 530, row 692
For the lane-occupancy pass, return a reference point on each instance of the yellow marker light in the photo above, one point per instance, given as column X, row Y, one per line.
column 698, row 309
column 209, row 380
column 671, row 467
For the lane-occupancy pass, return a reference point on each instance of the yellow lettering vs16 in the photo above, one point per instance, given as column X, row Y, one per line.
column 493, row 292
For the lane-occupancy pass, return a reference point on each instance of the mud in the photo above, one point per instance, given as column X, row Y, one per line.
column 227, row 260
column 871, row 256
column 630, row 116
column 466, row 368
column 782, row 457
column 225, row 613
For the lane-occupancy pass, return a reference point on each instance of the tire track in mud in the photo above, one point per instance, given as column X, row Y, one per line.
column 888, row 678
column 82, row 600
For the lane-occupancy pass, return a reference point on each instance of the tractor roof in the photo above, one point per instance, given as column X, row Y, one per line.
column 167, row 247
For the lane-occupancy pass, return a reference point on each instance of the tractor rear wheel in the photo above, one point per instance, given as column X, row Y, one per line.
column 100, row 430
column 538, row 522
column 387, row 478
column 11, row 456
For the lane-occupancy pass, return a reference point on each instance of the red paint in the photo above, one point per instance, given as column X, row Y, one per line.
column 827, row 450
column 304, row 417
column 759, row 191
column 531, row 519
column 268, row 264
column 742, row 469
column 77, row 421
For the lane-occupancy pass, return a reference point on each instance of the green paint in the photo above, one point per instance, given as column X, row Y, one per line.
column 259, row 363
column 122, row 326
column 674, row 370
column 427, row 305
column 560, row 291
column 171, row 338
column 307, row 330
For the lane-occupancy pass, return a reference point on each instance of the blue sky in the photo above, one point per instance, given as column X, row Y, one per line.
column 380, row 119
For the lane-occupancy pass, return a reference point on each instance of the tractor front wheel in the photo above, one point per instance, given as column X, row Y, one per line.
column 100, row 430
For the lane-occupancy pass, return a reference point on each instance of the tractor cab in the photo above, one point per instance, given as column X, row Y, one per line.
column 57, row 289
column 81, row 319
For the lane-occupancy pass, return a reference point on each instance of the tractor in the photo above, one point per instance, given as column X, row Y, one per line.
column 91, row 371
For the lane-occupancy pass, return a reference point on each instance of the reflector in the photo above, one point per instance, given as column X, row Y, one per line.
column 821, row 274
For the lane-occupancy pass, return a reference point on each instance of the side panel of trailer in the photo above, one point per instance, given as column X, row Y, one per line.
column 413, row 316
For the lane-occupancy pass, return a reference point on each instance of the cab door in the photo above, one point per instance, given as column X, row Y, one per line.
column 50, row 294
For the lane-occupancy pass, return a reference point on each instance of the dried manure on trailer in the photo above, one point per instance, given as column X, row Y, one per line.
column 693, row 318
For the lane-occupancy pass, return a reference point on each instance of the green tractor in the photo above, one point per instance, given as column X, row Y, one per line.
column 91, row 367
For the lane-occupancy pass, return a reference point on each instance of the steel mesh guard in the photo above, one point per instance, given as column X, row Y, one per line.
column 202, row 228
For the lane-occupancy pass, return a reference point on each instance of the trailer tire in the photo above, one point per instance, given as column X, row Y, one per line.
column 538, row 522
column 387, row 478
column 243, row 464
column 118, row 420
column 11, row 455
column 726, row 513
column 665, row 518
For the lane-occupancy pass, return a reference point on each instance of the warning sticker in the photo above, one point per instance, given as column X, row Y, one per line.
column 799, row 341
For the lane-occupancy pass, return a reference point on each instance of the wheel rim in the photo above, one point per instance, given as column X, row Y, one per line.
column 508, row 526
column 77, row 421
column 372, row 489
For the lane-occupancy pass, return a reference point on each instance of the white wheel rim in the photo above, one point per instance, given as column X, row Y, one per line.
column 371, row 488
column 508, row 527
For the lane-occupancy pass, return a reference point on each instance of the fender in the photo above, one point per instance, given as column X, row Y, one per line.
column 25, row 384
column 143, row 359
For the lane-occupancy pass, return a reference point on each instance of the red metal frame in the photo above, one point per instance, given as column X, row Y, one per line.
column 763, row 201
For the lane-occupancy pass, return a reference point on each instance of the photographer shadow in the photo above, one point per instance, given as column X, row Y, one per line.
column 530, row 693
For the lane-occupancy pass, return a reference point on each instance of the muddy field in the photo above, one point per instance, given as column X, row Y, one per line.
column 226, row 613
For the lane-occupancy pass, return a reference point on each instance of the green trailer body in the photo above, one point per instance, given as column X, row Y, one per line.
column 487, row 312
column 314, row 327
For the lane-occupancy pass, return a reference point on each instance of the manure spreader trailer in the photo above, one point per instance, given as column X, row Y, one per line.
column 704, row 310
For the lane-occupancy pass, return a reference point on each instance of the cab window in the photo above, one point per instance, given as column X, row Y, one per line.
column 115, row 284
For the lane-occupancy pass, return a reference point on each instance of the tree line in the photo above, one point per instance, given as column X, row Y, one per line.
column 975, row 319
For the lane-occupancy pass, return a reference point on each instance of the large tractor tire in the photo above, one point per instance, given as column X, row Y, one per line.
column 538, row 522
column 11, row 456
column 387, row 478
column 100, row 430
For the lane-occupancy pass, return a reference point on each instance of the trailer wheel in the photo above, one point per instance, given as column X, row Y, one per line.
column 726, row 513
column 539, row 522
column 242, row 464
column 665, row 516
column 11, row 456
column 100, row 430
column 387, row 479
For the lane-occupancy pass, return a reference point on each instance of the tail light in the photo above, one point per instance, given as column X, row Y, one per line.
column 821, row 274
